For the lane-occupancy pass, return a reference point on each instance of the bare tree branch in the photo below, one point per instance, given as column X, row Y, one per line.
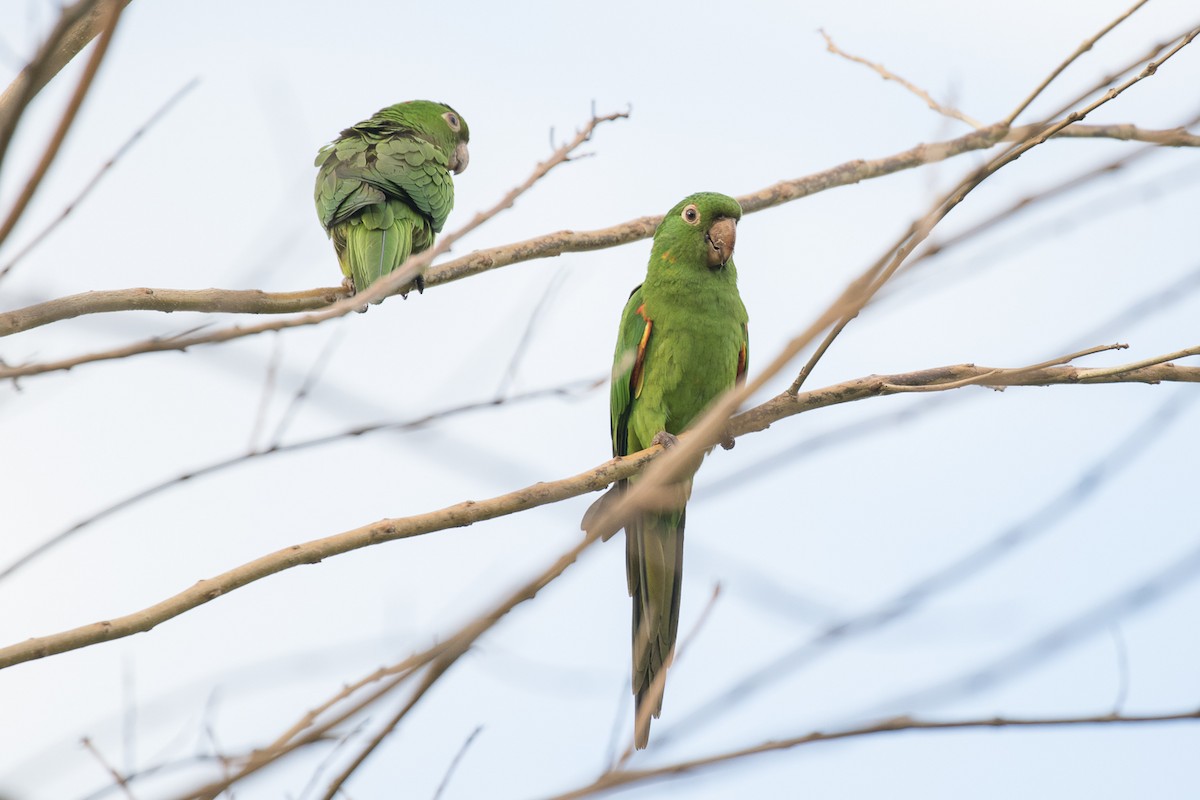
column 435, row 671
column 275, row 448
column 254, row 301
column 77, row 25
column 471, row 511
column 397, row 281
column 442, row 655
column 455, row 762
column 888, row 75
column 890, row 263
column 1021, row 533
column 100, row 173
column 108, row 27
column 617, row 779
column 118, row 779
column 1087, row 45
column 1179, row 572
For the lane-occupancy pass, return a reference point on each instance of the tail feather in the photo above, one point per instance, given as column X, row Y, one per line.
column 654, row 560
column 376, row 242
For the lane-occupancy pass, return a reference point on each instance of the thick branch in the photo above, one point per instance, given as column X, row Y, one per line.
column 470, row 511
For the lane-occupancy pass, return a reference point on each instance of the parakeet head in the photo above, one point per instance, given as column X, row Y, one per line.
column 437, row 123
column 701, row 228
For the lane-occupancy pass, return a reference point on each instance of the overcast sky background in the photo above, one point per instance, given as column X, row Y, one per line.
column 724, row 97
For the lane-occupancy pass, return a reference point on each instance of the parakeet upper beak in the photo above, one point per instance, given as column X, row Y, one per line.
column 459, row 158
column 720, row 238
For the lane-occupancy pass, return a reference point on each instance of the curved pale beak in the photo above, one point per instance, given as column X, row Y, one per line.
column 720, row 238
column 459, row 158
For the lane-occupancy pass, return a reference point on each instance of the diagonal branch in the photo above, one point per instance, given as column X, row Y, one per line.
column 896, row 256
column 77, row 25
column 1084, row 47
column 543, row 493
column 441, row 656
column 100, row 173
column 888, row 75
column 109, row 26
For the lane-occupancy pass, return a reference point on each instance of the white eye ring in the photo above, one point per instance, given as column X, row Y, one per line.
column 452, row 120
column 691, row 214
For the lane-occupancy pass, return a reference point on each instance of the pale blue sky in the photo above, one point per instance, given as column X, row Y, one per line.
column 724, row 97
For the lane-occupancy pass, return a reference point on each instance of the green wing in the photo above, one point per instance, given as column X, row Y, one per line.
column 416, row 169
column 382, row 194
column 364, row 170
column 653, row 541
column 628, row 363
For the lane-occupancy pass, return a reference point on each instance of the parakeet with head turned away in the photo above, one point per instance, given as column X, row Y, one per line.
column 683, row 340
column 384, row 188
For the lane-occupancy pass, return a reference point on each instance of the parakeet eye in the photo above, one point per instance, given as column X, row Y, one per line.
column 452, row 120
column 691, row 215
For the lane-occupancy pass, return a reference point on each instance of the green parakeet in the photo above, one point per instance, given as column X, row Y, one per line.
column 683, row 340
column 384, row 188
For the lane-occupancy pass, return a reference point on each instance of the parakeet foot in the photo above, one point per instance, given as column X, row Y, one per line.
column 667, row 440
column 419, row 283
column 727, row 442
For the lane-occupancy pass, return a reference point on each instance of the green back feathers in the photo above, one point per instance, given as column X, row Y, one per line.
column 384, row 189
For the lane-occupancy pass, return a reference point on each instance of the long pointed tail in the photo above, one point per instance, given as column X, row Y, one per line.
column 654, row 563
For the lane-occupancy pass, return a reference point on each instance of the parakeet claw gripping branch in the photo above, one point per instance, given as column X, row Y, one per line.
column 384, row 188
column 683, row 340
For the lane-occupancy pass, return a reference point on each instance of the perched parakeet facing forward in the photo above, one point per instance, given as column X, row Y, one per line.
column 683, row 340
column 384, row 188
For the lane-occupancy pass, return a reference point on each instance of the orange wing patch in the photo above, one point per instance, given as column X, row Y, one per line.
column 635, row 378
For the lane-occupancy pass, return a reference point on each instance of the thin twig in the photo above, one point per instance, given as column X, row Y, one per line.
column 306, row 386
column 64, row 124
column 100, row 173
column 888, row 75
column 887, row 266
column 268, row 391
column 510, row 371
column 77, row 25
column 417, row 423
column 443, row 654
column 1010, row 373
column 119, row 779
column 617, row 779
column 434, row 671
column 1087, row 45
column 454, row 762
column 1179, row 572
column 321, row 767
column 1024, row 531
